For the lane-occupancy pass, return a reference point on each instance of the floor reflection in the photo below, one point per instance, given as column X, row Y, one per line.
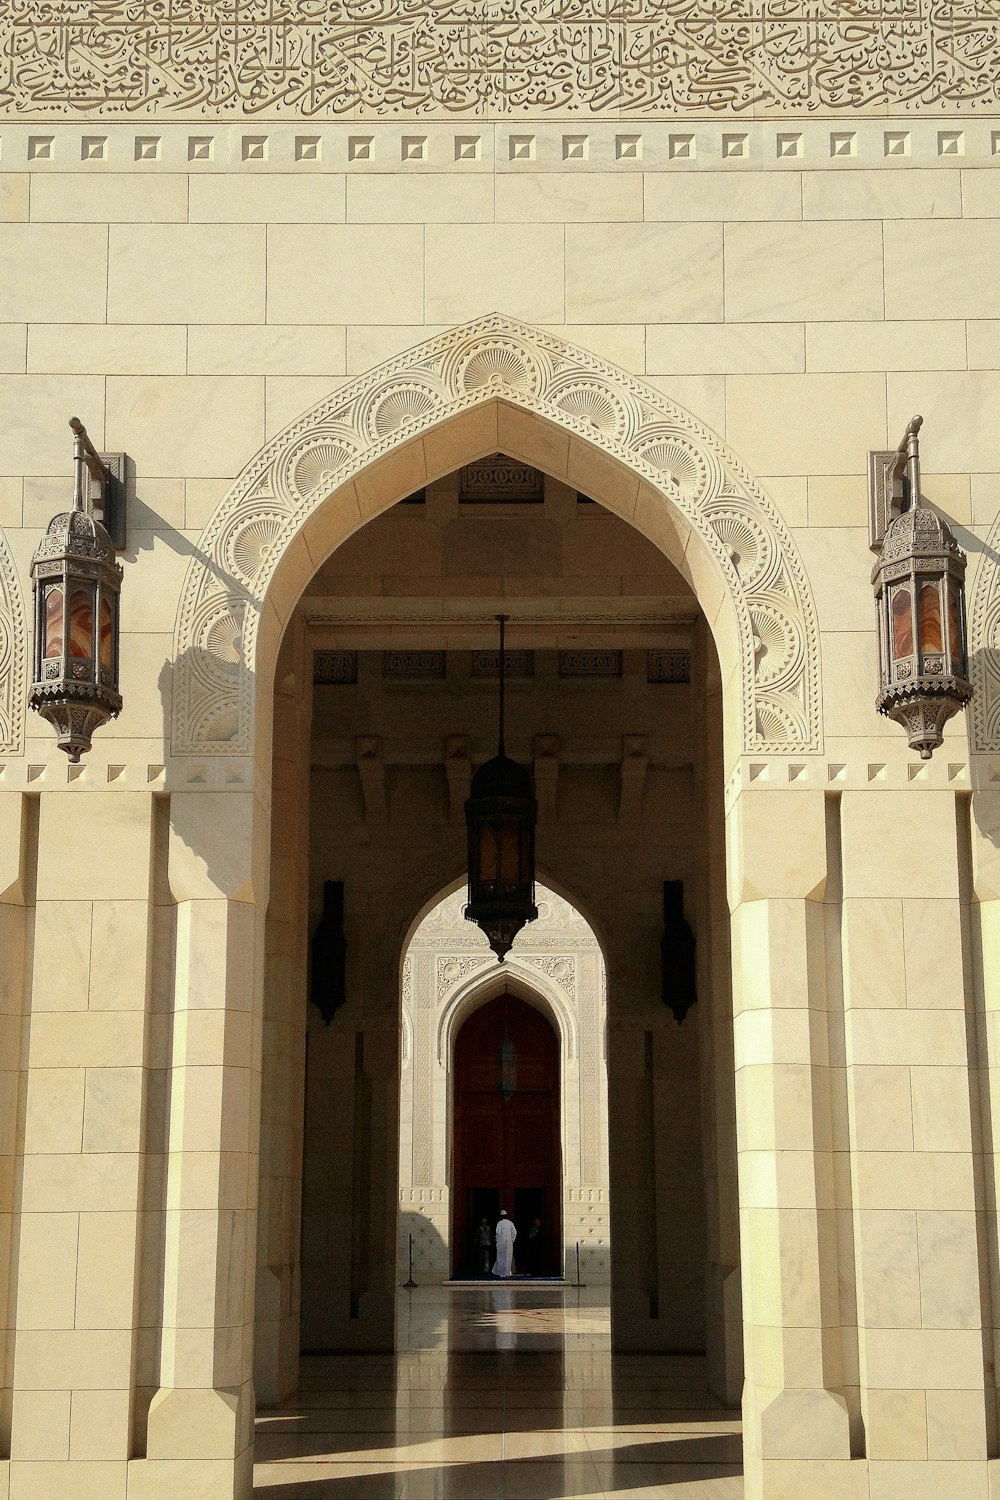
column 501, row 1393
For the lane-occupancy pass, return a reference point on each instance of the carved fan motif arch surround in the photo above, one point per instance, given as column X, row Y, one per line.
column 984, row 648
column 13, row 656
column 490, row 359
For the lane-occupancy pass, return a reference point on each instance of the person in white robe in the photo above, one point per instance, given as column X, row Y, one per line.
column 506, row 1235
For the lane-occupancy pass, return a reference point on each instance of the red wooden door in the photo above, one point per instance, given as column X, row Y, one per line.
column 506, row 1151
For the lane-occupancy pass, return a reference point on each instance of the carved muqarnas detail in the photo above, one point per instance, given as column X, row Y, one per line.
column 655, row 57
column 215, row 648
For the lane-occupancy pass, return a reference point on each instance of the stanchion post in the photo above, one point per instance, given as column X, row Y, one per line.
column 577, row 1284
column 410, row 1282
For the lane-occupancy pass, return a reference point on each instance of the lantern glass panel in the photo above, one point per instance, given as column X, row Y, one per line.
column 510, row 855
column 930, row 618
column 107, row 635
column 488, row 861
column 53, row 609
column 902, row 623
column 81, row 625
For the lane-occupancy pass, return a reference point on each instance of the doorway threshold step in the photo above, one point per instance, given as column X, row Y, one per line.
column 502, row 1280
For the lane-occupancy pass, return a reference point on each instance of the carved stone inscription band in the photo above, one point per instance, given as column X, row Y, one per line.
column 358, row 58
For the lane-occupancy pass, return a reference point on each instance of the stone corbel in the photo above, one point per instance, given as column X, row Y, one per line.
column 635, row 762
column 371, row 769
column 459, row 768
column 546, row 773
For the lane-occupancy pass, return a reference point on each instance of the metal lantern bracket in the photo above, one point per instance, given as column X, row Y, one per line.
column 76, row 587
column 893, row 481
column 919, row 585
column 107, row 486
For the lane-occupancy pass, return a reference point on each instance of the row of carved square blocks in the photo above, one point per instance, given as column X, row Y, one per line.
column 521, row 145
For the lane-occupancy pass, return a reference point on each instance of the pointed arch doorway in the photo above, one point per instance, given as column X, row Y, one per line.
column 506, row 1152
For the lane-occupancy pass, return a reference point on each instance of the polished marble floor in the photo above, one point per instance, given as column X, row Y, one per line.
column 500, row 1393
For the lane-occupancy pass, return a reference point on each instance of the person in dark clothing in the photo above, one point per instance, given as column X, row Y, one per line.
column 484, row 1247
column 535, row 1247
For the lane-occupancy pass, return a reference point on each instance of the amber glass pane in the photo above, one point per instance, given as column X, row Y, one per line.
column 510, row 848
column 53, row 620
column 902, row 624
column 488, row 853
column 954, row 629
column 930, row 618
column 106, row 634
column 81, row 625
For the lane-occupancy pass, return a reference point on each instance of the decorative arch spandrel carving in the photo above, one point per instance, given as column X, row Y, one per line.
column 494, row 358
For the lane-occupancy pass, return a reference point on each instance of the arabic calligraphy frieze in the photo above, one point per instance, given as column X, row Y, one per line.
column 495, row 58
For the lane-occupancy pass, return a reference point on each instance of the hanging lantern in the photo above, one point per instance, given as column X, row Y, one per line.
column 507, row 1070
column 500, row 817
column 76, row 583
column 506, row 1057
column 919, row 583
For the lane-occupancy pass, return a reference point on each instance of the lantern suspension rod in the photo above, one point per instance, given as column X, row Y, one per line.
column 86, row 456
column 908, row 458
column 502, row 620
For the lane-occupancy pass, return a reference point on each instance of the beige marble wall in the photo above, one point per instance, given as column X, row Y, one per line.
column 802, row 289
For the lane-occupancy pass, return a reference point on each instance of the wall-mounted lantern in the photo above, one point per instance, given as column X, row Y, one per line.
column 500, row 817
column 76, row 583
column 919, row 583
column 328, row 983
column 677, row 954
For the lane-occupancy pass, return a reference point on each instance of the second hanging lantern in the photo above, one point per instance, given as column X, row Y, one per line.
column 500, row 817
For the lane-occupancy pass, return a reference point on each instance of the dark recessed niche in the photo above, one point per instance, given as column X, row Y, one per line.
column 582, row 499
column 335, row 668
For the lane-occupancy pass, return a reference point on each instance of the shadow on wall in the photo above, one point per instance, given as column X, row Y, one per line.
column 208, row 676
column 430, row 1252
